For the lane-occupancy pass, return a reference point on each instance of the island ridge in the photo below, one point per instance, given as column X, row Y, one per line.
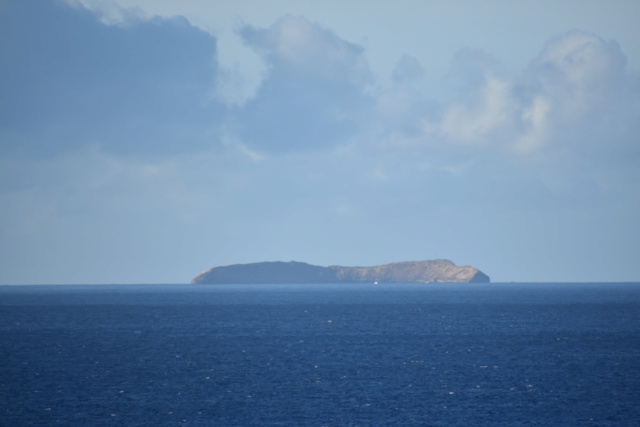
column 439, row 270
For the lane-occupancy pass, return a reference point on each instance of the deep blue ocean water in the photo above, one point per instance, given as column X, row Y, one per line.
column 321, row 355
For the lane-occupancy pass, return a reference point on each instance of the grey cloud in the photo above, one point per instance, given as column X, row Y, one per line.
column 580, row 61
column 314, row 93
column 139, row 88
column 408, row 69
column 469, row 68
column 296, row 46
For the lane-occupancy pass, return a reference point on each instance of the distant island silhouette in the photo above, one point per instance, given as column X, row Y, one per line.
column 439, row 270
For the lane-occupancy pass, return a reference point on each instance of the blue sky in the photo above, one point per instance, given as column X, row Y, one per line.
column 143, row 141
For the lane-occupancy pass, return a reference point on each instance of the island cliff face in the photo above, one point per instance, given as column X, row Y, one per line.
column 439, row 270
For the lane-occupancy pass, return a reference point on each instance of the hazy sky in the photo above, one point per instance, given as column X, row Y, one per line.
column 143, row 141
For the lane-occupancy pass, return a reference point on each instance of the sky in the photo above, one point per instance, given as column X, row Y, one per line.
column 144, row 141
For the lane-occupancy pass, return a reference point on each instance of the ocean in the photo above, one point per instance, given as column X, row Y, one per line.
column 321, row 355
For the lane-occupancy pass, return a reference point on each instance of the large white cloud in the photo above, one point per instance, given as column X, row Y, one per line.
column 577, row 92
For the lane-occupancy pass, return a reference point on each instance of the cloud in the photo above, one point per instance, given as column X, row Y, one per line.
column 67, row 79
column 297, row 47
column 408, row 69
column 479, row 119
column 558, row 138
column 575, row 95
column 576, row 80
column 579, row 72
column 314, row 93
column 469, row 68
column 399, row 111
column 110, row 12
column 89, row 215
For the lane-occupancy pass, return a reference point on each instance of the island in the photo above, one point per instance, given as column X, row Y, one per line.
column 278, row 272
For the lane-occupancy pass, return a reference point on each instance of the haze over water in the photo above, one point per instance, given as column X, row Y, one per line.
column 144, row 141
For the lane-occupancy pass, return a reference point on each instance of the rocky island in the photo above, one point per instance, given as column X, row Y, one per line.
column 439, row 270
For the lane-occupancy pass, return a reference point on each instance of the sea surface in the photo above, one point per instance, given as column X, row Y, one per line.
column 321, row 355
